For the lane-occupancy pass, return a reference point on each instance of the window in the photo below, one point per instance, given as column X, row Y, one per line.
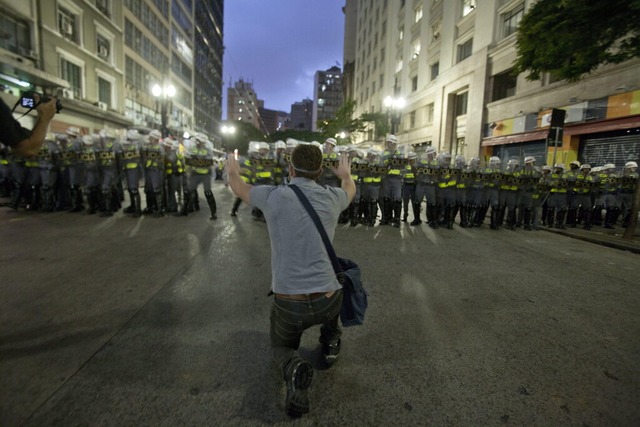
column 103, row 47
column 399, row 64
column 504, row 85
column 414, row 83
column 415, row 49
column 417, row 14
column 400, row 33
column 511, row 19
column 104, row 7
column 412, row 120
column 16, row 35
column 461, row 103
column 73, row 74
column 104, row 91
column 435, row 70
column 464, row 50
column 67, row 24
column 468, row 6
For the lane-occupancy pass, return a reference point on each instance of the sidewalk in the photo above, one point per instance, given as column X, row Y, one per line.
column 602, row 236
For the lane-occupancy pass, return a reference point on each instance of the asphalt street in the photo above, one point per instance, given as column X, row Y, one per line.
column 164, row 321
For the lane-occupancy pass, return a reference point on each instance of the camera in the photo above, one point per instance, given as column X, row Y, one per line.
column 27, row 100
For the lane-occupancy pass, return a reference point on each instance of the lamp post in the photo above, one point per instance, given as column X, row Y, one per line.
column 163, row 96
column 394, row 108
column 227, row 132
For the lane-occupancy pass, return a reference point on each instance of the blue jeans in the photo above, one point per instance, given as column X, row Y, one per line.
column 289, row 319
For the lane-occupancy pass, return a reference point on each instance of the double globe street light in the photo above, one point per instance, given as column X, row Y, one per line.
column 163, row 96
column 394, row 110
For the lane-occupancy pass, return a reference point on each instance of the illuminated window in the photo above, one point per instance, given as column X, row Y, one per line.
column 468, row 6
column 417, row 14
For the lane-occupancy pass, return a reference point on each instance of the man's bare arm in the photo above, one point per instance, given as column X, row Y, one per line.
column 240, row 188
column 343, row 171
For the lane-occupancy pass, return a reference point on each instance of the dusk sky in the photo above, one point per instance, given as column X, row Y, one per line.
column 279, row 45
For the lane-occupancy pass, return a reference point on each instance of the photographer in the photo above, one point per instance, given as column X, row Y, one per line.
column 22, row 141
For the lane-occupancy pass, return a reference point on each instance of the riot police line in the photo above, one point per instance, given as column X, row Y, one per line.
column 73, row 170
column 91, row 173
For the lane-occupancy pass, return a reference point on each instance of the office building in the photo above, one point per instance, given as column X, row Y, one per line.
column 301, row 115
column 327, row 96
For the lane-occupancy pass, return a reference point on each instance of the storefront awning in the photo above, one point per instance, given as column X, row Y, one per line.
column 516, row 137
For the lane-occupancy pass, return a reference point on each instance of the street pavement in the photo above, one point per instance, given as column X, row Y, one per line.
column 164, row 321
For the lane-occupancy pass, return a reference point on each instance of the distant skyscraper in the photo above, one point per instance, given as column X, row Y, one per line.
column 273, row 120
column 327, row 95
column 301, row 115
column 243, row 104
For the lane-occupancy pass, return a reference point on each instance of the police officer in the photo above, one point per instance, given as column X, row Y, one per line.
column 371, row 185
column 571, row 178
column 90, row 166
column 5, row 171
column 281, row 169
column 509, row 192
column 329, row 160
column 610, row 184
column 581, row 199
column 358, row 169
column 48, row 158
column 173, row 171
column 109, row 153
column 492, row 178
column 153, row 173
column 409, row 187
column 426, row 187
column 32, row 178
column 463, row 180
column 447, row 182
column 131, row 161
column 75, row 167
column 475, row 192
column 392, row 183
column 529, row 177
column 557, row 201
column 200, row 161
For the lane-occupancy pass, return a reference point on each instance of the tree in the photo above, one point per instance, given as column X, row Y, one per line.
column 245, row 132
column 571, row 38
column 343, row 122
column 380, row 123
column 300, row 135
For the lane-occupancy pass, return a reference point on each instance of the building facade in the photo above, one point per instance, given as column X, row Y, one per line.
column 243, row 103
column 103, row 58
column 327, row 96
column 301, row 115
column 451, row 62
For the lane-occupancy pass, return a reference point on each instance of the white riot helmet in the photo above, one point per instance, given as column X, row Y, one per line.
column 87, row 140
column 608, row 166
column 512, row 165
column 391, row 139
column 133, row 135
column 585, row 166
column 494, row 162
column 73, row 131
column 292, row 143
column 559, row 166
column 168, row 142
column 546, row 168
column 474, row 163
column 331, row 141
column 460, row 161
column 280, row 145
column 444, row 159
column 529, row 159
column 263, row 146
column 108, row 133
column 574, row 163
column 630, row 165
column 155, row 134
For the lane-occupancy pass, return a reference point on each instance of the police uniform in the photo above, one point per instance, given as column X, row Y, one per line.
column 48, row 158
column 392, row 183
column 152, row 155
column 409, row 188
column 581, row 187
column 109, row 152
column 447, row 181
column 629, row 180
column 173, row 171
column 475, row 192
column 529, row 177
column 132, row 168
column 199, row 160
column 509, row 194
column 427, row 172
column 371, row 186
column 492, row 178
column 75, row 168
column 557, row 202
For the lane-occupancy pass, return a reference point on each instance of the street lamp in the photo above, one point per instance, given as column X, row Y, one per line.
column 227, row 131
column 394, row 107
column 163, row 98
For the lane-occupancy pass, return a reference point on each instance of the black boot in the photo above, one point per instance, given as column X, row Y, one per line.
column 18, row 192
column 405, row 210
column 550, row 217
column 150, row 198
column 157, row 203
column 586, row 219
column 416, row 214
column 397, row 211
column 48, row 204
column 236, row 205
column 527, row 219
column 432, row 215
column 596, row 217
column 560, row 218
column 482, row 215
column 186, row 201
column 136, row 212
column 386, row 211
column 609, row 218
column 494, row 219
column 354, row 213
column 511, row 219
column 107, row 209
column 448, row 216
column 195, row 201
column 34, row 202
column 76, row 199
column 373, row 213
column 91, row 201
column 212, row 204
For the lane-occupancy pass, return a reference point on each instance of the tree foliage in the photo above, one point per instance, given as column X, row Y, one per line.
column 343, row 122
column 300, row 135
column 244, row 133
column 380, row 122
column 571, row 38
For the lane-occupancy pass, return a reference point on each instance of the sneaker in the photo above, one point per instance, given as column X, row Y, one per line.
column 297, row 401
column 331, row 352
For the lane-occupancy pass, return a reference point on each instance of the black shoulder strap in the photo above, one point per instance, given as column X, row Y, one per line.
column 316, row 220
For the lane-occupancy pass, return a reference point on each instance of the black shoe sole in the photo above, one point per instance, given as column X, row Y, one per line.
column 297, row 403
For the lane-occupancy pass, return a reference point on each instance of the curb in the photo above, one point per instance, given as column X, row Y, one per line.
column 609, row 242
